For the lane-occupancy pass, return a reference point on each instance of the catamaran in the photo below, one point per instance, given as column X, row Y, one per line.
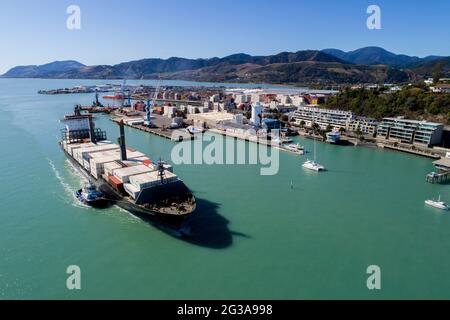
column 312, row 164
column 437, row 204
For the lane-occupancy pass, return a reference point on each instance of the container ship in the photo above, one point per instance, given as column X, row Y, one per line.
column 128, row 178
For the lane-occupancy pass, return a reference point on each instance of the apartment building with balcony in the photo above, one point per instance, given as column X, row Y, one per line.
column 402, row 130
column 337, row 119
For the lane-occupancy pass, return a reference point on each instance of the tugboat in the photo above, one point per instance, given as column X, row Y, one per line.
column 90, row 196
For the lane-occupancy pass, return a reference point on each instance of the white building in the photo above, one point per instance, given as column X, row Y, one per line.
column 298, row 101
column 284, row 99
column 337, row 119
column 256, row 97
column 191, row 109
column 411, row 131
column 429, row 81
column 203, row 109
column 241, row 98
column 238, row 119
column 219, row 106
column 441, row 88
column 170, row 111
column 214, row 98
column 274, row 104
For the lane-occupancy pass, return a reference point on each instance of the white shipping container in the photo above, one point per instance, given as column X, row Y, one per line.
column 111, row 157
column 110, row 167
column 88, row 146
column 86, row 165
column 151, row 179
column 131, row 190
column 73, row 146
column 124, row 174
column 97, row 165
column 145, row 181
column 104, row 154
column 93, row 150
column 116, row 153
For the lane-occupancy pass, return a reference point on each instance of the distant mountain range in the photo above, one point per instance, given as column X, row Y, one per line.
column 377, row 56
column 50, row 70
column 330, row 66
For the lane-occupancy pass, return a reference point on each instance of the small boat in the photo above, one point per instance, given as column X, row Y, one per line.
column 296, row 148
column 312, row 165
column 280, row 140
column 333, row 137
column 194, row 130
column 174, row 125
column 437, row 204
column 91, row 197
column 117, row 96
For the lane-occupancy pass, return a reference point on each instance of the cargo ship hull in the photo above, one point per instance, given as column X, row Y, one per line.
column 165, row 221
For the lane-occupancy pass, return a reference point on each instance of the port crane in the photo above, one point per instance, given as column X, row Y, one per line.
column 151, row 104
column 126, row 92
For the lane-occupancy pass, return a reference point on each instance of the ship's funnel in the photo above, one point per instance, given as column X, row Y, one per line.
column 91, row 131
column 123, row 147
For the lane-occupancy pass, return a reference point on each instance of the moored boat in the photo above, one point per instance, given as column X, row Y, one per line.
column 295, row 148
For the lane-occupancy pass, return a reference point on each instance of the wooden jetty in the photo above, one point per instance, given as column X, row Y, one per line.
column 441, row 177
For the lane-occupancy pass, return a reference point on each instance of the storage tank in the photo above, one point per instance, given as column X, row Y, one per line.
column 257, row 109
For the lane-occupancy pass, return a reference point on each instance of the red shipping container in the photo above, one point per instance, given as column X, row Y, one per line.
column 116, row 183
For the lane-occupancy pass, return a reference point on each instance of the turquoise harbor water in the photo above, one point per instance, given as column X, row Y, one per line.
column 253, row 237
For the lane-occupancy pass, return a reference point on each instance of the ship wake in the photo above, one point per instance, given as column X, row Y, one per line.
column 67, row 188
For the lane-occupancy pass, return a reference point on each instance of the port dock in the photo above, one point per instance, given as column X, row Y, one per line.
column 159, row 130
column 443, row 171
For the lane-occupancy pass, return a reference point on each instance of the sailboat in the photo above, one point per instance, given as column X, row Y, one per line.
column 437, row 204
column 312, row 164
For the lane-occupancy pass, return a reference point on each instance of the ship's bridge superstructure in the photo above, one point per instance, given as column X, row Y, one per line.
column 79, row 128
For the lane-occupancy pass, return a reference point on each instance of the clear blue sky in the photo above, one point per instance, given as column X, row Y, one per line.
column 113, row 31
